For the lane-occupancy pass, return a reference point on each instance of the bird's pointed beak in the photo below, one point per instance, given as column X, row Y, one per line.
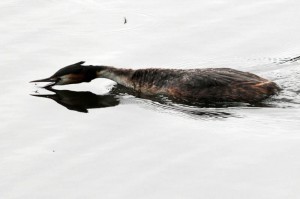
column 49, row 79
column 47, row 96
column 43, row 80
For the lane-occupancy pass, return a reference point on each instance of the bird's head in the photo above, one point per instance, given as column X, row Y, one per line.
column 72, row 74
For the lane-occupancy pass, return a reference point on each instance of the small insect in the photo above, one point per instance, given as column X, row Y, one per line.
column 125, row 20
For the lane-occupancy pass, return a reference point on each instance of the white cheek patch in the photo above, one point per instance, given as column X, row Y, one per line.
column 64, row 80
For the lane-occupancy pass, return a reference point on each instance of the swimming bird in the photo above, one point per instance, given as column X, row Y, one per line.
column 190, row 85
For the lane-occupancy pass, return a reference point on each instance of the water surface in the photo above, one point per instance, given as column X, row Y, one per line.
column 115, row 145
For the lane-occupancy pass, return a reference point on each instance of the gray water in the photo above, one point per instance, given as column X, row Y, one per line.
column 115, row 145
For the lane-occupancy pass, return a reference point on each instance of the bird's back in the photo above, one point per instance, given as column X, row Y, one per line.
column 220, row 84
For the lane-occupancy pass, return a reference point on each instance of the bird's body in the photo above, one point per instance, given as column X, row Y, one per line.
column 191, row 85
column 210, row 84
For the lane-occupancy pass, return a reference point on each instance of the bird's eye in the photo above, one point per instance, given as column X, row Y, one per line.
column 57, row 79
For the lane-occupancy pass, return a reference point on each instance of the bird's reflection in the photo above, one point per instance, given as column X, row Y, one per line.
column 81, row 101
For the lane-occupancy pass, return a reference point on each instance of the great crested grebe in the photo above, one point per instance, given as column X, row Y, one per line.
column 191, row 85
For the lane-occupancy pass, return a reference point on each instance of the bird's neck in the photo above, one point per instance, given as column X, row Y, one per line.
column 119, row 75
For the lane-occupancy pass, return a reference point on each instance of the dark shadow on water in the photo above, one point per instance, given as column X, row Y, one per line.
column 81, row 101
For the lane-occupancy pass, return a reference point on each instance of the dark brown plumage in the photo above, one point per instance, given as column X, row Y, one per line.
column 192, row 85
column 211, row 84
